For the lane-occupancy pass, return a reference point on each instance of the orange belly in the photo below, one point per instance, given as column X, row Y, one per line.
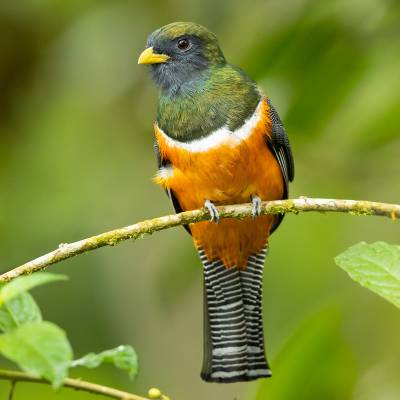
column 227, row 174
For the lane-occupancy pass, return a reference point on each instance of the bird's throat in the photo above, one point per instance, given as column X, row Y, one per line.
column 220, row 97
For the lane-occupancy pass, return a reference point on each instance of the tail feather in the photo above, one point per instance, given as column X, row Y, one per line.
column 233, row 328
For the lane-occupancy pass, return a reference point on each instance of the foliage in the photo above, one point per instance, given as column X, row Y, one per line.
column 123, row 357
column 17, row 286
column 17, row 311
column 375, row 266
column 41, row 347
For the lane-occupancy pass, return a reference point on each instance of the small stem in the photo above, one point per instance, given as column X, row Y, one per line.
column 238, row 211
column 77, row 384
column 12, row 388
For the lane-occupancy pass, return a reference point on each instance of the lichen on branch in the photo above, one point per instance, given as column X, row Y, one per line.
column 238, row 211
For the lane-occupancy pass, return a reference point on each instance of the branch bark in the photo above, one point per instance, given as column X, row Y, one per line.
column 239, row 211
column 77, row 384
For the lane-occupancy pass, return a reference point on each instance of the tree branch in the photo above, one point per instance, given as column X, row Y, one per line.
column 238, row 211
column 77, row 384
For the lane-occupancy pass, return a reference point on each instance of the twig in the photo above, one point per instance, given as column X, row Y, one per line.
column 238, row 211
column 12, row 390
column 77, row 384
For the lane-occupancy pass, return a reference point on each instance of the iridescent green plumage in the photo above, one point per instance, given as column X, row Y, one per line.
column 221, row 96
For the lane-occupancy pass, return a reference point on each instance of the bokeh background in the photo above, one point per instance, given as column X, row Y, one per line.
column 76, row 159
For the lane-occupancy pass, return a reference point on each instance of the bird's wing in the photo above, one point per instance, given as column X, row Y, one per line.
column 280, row 146
column 165, row 163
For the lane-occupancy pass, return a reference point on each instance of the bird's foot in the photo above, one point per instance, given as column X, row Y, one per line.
column 214, row 214
column 256, row 201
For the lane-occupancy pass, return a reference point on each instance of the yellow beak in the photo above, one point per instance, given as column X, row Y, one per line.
column 149, row 57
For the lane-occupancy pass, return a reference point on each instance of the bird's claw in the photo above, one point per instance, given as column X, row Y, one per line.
column 256, row 201
column 214, row 214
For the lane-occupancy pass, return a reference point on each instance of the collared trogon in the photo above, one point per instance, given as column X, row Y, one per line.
column 219, row 140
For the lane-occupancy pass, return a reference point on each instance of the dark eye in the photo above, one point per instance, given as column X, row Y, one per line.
column 183, row 44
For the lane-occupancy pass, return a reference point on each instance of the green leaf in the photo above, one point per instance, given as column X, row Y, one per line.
column 375, row 266
column 123, row 357
column 40, row 348
column 25, row 283
column 17, row 311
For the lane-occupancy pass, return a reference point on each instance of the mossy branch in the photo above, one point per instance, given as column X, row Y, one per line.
column 77, row 384
column 239, row 211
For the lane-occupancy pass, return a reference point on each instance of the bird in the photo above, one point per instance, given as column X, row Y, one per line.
column 218, row 141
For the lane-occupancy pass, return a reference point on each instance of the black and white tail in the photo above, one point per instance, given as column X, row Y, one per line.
column 233, row 327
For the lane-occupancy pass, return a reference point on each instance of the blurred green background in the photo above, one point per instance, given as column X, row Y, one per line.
column 76, row 159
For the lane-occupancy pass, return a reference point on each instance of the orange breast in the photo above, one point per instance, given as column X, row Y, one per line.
column 227, row 174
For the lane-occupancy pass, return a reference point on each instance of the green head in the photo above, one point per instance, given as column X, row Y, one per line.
column 180, row 52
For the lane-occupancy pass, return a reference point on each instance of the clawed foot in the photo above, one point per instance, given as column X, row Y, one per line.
column 212, row 210
column 256, row 212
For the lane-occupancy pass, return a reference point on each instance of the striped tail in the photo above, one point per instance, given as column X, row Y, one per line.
column 233, row 327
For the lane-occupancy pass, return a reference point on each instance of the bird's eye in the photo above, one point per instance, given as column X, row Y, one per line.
column 183, row 44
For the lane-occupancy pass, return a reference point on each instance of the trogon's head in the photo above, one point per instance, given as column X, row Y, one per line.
column 180, row 52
